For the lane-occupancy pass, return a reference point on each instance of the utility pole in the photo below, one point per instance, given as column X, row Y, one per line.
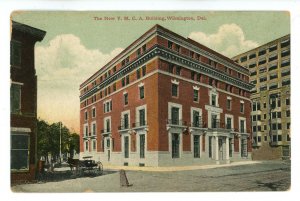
column 60, row 142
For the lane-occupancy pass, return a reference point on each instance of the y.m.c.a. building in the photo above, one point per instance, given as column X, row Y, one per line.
column 166, row 100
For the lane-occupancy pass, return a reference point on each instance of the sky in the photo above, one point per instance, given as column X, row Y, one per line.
column 76, row 45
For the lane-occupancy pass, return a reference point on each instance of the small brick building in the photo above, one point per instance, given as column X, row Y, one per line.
column 166, row 100
column 23, row 96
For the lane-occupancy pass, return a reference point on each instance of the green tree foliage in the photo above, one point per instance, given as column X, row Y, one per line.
column 49, row 140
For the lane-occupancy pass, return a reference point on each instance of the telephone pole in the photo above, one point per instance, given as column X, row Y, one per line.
column 60, row 142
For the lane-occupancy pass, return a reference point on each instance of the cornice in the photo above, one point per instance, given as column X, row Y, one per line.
column 38, row 33
column 169, row 56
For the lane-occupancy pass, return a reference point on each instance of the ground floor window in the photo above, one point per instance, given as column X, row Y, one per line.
column 175, row 145
column 244, row 148
column 126, row 147
column 142, row 146
column 196, row 146
column 20, row 151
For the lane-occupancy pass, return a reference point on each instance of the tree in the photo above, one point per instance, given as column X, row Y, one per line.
column 49, row 140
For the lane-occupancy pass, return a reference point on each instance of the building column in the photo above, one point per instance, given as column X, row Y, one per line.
column 217, row 150
column 227, row 150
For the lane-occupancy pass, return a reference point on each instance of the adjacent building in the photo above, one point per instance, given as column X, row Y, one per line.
column 23, row 101
column 269, row 67
column 166, row 100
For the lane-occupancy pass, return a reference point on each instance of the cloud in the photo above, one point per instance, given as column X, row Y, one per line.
column 61, row 67
column 229, row 40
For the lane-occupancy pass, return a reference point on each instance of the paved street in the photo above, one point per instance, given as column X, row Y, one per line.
column 261, row 176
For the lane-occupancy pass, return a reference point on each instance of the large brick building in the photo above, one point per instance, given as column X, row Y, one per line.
column 166, row 100
column 23, row 97
column 269, row 67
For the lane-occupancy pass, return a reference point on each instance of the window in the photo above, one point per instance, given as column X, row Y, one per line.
column 287, row 101
column 138, row 52
column 177, row 47
column 175, row 145
column 198, row 77
column 263, row 88
column 144, row 70
column 251, row 56
column 94, row 129
column 142, row 93
column 170, row 44
column 273, row 76
column 127, row 60
column 123, row 82
column 171, row 67
column 86, row 146
column 94, row 112
column 175, row 116
column 262, row 62
column 252, row 65
column 285, row 53
column 138, row 73
column 228, row 104
column 285, row 43
column 178, row 70
column 258, row 117
column 285, row 82
column 285, row 73
column 263, row 79
column 144, row 48
column 273, row 48
column 285, row 63
column 262, row 52
column 142, row 146
column 213, row 100
column 15, row 98
column 243, row 59
column 126, row 121
column 196, row 119
column 196, row 95
column 288, row 125
column 253, row 73
column 115, row 69
column 254, row 128
column 242, row 107
column 191, row 54
column 214, row 121
column 254, row 118
column 288, row 113
column 142, row 117
column 15, row 53
column 85, row 115
column 273, row 86
column 114, row 87
column 126, row 147
column 265, row 116
column 272, row 58
column 196, row 146
column 273, row 67
column 242, row 124
column 107, row 125
column 126, row 99
column 192, row 75
column 228, row 123
column 174, row 90
column 20, row 151
column 94, row 145
column 107, row 106
column 127, row 79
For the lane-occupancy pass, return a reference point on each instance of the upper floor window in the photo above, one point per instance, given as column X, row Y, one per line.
column 177, row 48
column 174, row 90
column 213, row 100
column 142, row 92
column 196, row 95
column 107, row 106
column 93, row 112
column 144, row 48
column 242, row 107
column 138, row 73
column 144, row 70
column 287, row 101
column 126, row 99
column 171, row 68
column 15, row 53
column 15, row 98
column 142, row 117
column 178, row 70
column 85, row 115
column 170, row 44
column 228, row 104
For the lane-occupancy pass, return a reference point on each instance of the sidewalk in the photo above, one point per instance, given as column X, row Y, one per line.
column 177, row 168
